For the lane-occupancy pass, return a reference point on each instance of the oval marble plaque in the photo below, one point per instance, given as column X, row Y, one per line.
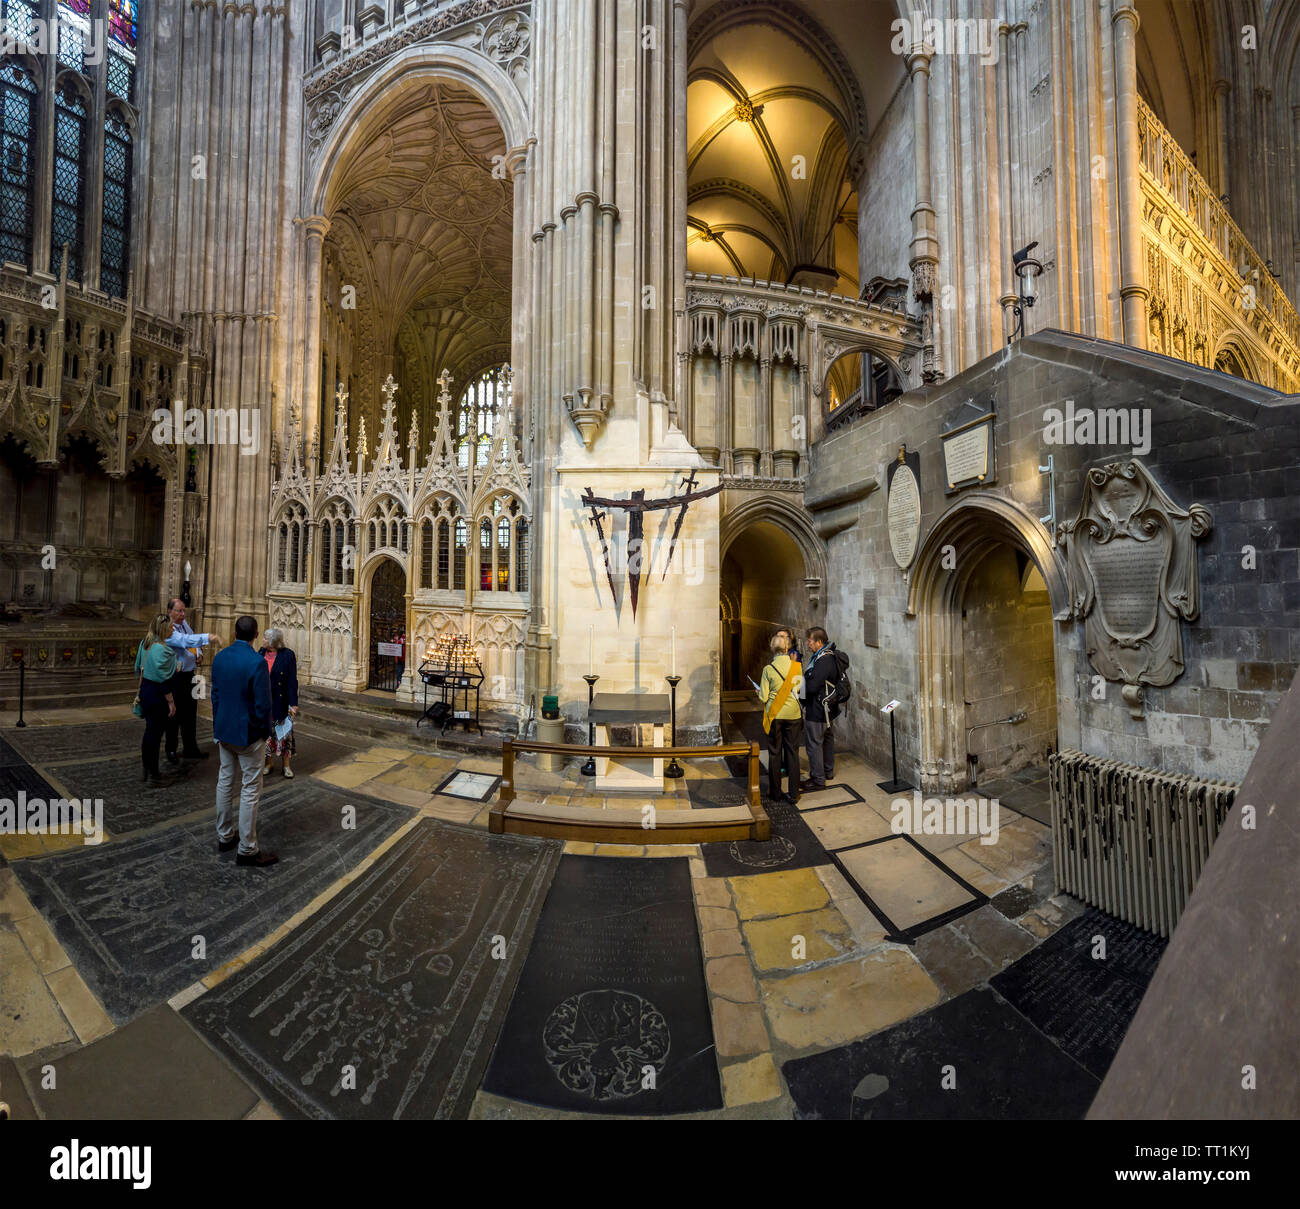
column 903, row 515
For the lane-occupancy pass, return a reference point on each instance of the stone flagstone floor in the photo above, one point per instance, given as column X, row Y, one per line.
column 796, row 962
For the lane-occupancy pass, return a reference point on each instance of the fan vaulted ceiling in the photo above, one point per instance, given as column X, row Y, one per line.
column 423, row 227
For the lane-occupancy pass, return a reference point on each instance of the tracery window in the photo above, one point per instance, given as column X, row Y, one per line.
column 62, row 194
column 116, row 238
column 426, row 553
column 458, row 565
column 17, row 157
column 69, row 180
column 521, row 555
column 483, row 401
column 485, row 556
column 19, row 18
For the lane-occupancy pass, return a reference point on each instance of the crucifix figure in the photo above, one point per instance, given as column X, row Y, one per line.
column 636, row 507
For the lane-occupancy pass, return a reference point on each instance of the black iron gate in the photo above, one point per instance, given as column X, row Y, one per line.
column 387, row 625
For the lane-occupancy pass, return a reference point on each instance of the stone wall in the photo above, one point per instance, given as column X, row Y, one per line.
column 888, row 193
column 1215, row 440
column 1010, row 667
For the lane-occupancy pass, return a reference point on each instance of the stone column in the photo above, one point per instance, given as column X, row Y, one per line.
column 764, row 433
column 1294, row 289
column 924, row 248
column 1132, row 287
column 726, row 436
column 1220, row 93
column 315, row 228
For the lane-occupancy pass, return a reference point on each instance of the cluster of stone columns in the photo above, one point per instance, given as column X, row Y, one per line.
column 221, row 142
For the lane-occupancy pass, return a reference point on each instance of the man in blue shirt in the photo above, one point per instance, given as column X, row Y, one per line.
column 241, row 722
column 184, row 642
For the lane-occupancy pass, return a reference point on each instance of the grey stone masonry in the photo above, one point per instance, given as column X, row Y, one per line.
column 1216, row 440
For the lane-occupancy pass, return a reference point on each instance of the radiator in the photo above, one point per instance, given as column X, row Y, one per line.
column 1130, row 840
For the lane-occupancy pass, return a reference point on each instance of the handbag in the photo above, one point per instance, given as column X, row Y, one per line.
column 136, row 708
column 781, row 695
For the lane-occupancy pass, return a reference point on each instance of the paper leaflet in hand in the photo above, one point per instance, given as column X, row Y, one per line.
column 283, row 729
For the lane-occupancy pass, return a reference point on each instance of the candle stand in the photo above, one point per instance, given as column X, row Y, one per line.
column 589, row 768
column 674, row 769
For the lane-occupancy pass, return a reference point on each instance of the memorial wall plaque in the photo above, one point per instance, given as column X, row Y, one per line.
column 968, row 455
column 1131, row 555
column 903, row 510
column 870, row 614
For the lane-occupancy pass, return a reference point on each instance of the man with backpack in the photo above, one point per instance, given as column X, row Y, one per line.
column 825, row 688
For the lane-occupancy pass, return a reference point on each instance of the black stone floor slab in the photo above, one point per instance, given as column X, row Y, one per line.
column 397, row 977
column 13, row 1094
column 611, row 1014
column 1084, row 1003
column 9, row 754
column 83, row 741
column 1002, row 1069
column 16, row 778
column 157, row 1068
column 127, row 912
column 1026, row 792
column 793, row 846
column 130, row 806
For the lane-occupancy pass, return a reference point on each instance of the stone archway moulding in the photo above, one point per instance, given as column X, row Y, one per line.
column 408, row 68
column 972, row 527
column 792, row 521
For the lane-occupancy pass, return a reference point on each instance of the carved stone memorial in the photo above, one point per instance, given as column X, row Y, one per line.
column 903, row 509
column 1131, row 554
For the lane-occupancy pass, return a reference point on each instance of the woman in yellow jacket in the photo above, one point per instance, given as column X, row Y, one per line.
column 779, row 691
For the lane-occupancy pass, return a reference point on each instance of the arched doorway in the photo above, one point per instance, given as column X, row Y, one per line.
column 987, row 591
column 763, row 586
column 387, row 625
column 1008, row 672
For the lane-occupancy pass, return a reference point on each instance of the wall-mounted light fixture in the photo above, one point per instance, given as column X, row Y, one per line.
column 1027, row 270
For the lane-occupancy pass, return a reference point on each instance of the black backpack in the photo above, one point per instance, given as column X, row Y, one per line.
column 843, row 685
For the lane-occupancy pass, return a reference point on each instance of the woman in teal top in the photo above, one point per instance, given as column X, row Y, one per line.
column 155, row 662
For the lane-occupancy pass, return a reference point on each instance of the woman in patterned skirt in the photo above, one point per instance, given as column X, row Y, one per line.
column 282, row 663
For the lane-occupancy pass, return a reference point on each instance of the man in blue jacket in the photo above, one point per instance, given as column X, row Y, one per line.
column 241, row 722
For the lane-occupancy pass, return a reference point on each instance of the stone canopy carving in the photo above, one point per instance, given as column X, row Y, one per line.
column 1131, row 554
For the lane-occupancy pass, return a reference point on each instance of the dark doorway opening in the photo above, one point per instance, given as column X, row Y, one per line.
column 387, row 625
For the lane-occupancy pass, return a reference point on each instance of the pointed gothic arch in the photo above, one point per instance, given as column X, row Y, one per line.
column 948, row 558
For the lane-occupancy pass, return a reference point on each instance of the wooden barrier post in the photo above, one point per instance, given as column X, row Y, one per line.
column 497, row 815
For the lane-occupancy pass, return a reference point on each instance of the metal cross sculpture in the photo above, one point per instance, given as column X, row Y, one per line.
column 636, row 506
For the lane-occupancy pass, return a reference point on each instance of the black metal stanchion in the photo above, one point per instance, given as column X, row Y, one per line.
column 674, row 769
column 589, row 768
column 22, row 689
column 893, row 786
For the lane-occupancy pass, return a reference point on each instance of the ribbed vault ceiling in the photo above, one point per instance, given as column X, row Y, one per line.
column 425, row 224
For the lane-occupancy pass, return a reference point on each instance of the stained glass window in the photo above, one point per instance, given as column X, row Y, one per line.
column 458, row 580
column 74, row 31
column 477, row 416
column 444, row 555
column 123, row 18
column 19, row 18
column 116, row 241
column 17, row 103
column 121, row 76
column 485, row 556
column 521, row 555
column 69, row 181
